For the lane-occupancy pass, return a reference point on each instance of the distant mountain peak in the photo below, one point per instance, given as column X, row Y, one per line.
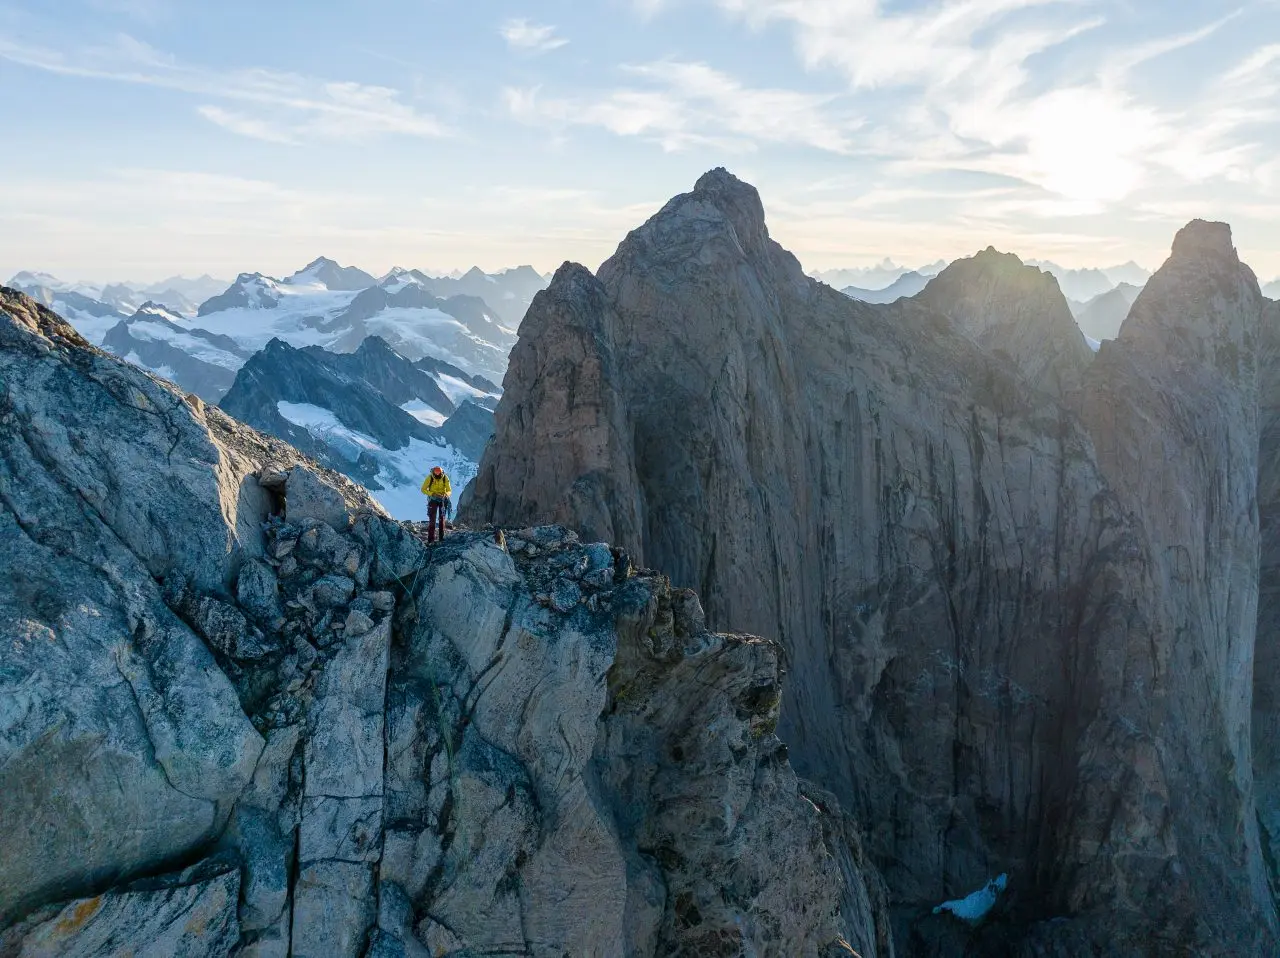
column 332, row 275
column 249, row 291
column 908, row 284
column 151, row 307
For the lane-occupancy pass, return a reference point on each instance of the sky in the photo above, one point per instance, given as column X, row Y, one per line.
column 151, row 137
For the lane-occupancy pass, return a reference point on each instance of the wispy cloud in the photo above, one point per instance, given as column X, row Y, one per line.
column 970, row 100
column 144, row 11
column 252, row 127
column 680, row 105
column 286, row 107
column 520, row 34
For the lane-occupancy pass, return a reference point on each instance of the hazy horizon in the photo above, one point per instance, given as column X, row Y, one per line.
column 884, row 262
column 163, row 137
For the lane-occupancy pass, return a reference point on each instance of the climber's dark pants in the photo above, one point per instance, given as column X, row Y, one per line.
column 435, row 514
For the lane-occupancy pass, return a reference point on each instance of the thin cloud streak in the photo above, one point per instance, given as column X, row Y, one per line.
column 685, row 105
column 297, row 107
column 520, row 34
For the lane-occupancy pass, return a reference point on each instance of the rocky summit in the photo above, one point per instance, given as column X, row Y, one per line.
column 244, row 712
column 1027, row 594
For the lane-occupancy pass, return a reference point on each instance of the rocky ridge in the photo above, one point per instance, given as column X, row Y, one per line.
column 1016, row 591
column 276, row 723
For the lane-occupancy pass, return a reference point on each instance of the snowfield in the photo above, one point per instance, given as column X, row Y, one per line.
column 91, row 327
column 311, row 315
column 164, row 372
column 457, row 390
column 401, row 470
column 193, row 346
column 424, row 413
column 300, row 310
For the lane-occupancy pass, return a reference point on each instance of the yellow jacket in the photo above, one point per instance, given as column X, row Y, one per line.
column 435, row 485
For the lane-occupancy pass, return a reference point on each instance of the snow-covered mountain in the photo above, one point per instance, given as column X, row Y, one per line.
column 327, row 273
column 372, row 414
column 176, row 293
column 305, row 311
column 129, row 300
column 91, row 317
column 1272, row 290
column 507, row 293
column 194, row 291
column 167, row 344
column 468, row 320
column 908, row 284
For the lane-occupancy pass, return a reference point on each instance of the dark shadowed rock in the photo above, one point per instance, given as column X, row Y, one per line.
column 1266, row 666
column 190, row 914
column 469, row 429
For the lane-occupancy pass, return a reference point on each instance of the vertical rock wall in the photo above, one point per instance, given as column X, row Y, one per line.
column 976, row 557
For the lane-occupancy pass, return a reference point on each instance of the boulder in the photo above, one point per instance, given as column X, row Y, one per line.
column 309, row 497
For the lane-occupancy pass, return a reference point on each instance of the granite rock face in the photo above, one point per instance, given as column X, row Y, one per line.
column 1172, row 406
column 1266, row 665
column 985, row 579
column 1014, row 310
column 243, row 712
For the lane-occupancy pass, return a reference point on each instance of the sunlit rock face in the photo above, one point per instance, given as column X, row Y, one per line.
column 1016, row 584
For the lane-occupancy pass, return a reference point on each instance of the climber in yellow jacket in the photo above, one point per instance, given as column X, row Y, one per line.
column 438, row 490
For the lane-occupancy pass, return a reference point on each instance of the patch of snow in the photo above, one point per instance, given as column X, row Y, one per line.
column 424, row 413
column 92, row 328
column 163, row 313
column 293, row 320
column 164, row 372
column 404, row 469
column 395, row 282
column 973, row 908
column 322, row 423
column 408, row 321
column 1093, row 343
column 457, row 390
column 401, row 470
column 193, row 346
